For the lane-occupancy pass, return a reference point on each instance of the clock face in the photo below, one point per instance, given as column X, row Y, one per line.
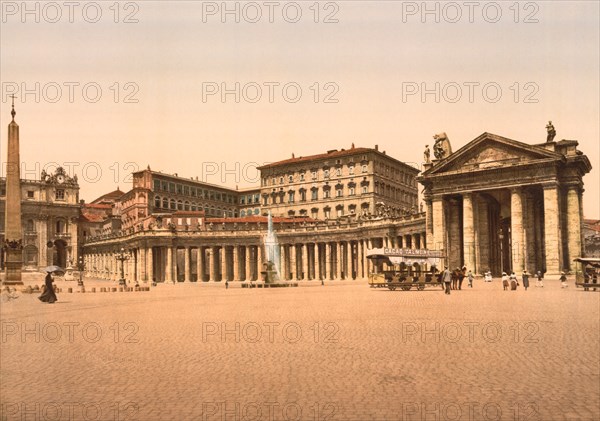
column 60, row 179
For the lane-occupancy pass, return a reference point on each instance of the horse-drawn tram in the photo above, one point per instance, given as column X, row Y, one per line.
column 587, row 273
column 405, row 269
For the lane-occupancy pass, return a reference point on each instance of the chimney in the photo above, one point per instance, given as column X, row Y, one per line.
column 376, row 147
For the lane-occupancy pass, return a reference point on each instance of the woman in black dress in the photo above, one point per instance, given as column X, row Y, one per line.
column 48, row 296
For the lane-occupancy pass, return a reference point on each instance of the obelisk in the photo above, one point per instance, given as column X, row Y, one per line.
column 13, row 232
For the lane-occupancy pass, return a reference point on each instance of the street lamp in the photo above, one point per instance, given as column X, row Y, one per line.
column 121, row 257
column 80, row 267
column 501, row 237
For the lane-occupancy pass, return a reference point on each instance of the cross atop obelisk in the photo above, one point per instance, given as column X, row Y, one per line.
column 13, row 232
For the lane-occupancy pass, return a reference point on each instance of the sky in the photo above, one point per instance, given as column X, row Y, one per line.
column 214, row 89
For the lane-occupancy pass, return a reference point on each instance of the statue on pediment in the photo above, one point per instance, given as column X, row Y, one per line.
column 441, row 147
column 551, row 132
column 427, row 155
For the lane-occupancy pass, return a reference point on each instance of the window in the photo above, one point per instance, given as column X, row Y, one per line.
column 265, row 200
column 326, row 173
column 303, row 195
column 339, row 192
column 60, row 194
column 165, row 203
column 186, row 206
column 179, row 205
column 172, row 204
column 194, row 207
column 156, row 184
column 326, row 194
column 339, row 211
column 290, row 179
column 60, row 226
column 30, row 227
column 193, row 191
column 256, row 211
column 364, row 168
column 314, row 194
column 280, row 180
column 186, row 190
column 302, row 177
column 365, row 190
column 313, row 175
column 157, row 202
column 29, row 194
column 351, row 169
column 179, row 189
column 351, row 191
column 338, row 172
column 291, row 196
column 314, row 213
column 243, row 213
column 172, row 187
column 327, row 212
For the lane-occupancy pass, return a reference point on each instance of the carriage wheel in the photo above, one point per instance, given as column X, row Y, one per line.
column 421, row 287
column 406, row 288
column 392, row 288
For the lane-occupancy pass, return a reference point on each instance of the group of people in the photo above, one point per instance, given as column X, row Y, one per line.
column 453, row 280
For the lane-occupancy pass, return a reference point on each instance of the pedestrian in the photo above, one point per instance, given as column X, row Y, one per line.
column 488, row 276
column 525, row 277
column 563, row 280
column 447, row 278
column 514, row 283
column 540, row 277
column 470, row 278
column 505, row 281
column 227, row 284
column 48, row 295
column 461, row 275
column 454, row 277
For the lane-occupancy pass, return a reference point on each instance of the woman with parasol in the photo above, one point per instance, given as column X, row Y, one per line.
column 49, row 296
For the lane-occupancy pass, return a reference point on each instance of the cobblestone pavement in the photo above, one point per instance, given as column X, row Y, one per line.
column 339, row 352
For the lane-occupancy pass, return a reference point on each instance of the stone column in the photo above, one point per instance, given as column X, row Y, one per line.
column 260, row 253
column 439, row 225
column 516, row 229
column 328, row 262
column 248, row 263
column 149, row 265
column 317, row 262
column 214, row 264
column 573, row 225
column 305, row 273
column 468, row 232
column 169, row 265
column 415, row 241
column 237, row 276
column 552, row 230
column 349, row 262
column 200, row 264
column 187, row 269
column 454, row 234
column 224, row 265
column 338, row 260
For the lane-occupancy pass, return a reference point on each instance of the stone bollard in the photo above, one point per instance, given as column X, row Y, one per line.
column 69, row 290
column 114, row 289
column 93, row 289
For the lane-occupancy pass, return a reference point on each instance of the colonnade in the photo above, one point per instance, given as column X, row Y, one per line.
column 298, row 260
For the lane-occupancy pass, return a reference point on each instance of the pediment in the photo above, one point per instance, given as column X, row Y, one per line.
column 492, row 151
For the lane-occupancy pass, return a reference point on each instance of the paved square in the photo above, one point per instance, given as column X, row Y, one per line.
column 338, row 352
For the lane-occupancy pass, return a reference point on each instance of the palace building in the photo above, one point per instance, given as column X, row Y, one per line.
column 338, row 183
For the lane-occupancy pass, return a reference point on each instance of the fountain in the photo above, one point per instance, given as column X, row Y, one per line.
column 271, row 273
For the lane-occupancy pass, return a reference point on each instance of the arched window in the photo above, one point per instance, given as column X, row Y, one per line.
column 30, row 227
column 179, row 205
column 60, row 226
column 243, row 213
column 165, row 203
column 186, row 206
column 157, row 202
column 173, row 204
